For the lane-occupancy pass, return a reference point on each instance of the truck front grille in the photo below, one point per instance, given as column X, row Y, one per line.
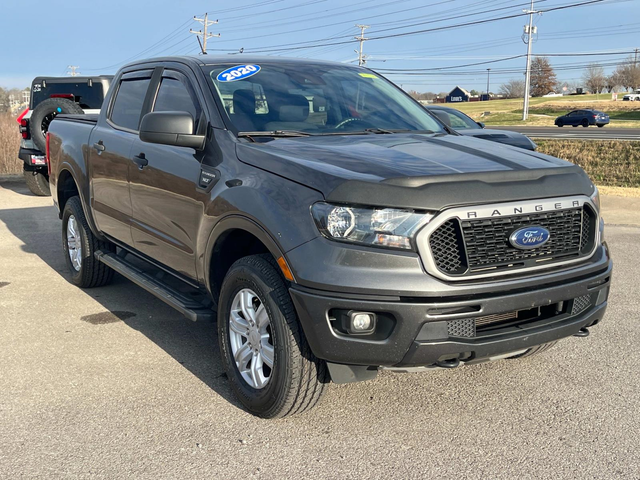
column 467, row 247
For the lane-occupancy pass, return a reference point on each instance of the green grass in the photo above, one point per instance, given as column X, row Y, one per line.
column 543, row 111
column 610, row 163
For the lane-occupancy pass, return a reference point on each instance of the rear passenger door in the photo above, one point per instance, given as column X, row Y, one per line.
column 167, row 203
column 109, row 156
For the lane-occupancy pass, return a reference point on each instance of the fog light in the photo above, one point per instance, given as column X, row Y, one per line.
column 362, row 322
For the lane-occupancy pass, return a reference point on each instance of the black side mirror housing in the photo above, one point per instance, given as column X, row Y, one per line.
column 480, row 124
column 170, row 128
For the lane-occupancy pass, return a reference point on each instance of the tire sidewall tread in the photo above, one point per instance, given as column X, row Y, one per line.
column 298, row 378
column 93, row 273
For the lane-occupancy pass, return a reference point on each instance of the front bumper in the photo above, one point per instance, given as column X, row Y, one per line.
column 420, row 336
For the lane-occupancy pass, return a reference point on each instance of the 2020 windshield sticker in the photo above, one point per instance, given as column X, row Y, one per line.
column 239, row 72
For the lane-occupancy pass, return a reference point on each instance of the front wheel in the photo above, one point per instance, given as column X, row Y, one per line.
column 264, row 351
column 37, row 182
column 80, row 244
column 560, row 124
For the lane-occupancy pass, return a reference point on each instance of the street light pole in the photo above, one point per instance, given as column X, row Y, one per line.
column 488, row 73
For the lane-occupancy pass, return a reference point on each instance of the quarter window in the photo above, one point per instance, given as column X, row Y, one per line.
column 128, row 104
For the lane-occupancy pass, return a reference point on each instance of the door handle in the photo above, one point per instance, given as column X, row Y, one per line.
column 141, row 161
column 99, row 147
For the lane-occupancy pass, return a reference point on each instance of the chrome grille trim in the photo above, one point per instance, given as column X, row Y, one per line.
column 495, row 211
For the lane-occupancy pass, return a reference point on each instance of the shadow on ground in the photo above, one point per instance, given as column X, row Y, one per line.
column 192, row 344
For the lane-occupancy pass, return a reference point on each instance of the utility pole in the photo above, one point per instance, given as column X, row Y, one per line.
column 488, row 73
column 73, row 70
column 362, row 59
column 528, row 34
column 207, row 23
column 635, row 59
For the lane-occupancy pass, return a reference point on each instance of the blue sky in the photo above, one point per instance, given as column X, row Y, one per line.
column 42, row 37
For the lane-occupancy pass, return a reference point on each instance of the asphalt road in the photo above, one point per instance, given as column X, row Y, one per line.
column 112, row 383
column 581, row 133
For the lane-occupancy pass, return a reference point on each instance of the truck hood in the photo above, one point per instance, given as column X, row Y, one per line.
column 415, row 171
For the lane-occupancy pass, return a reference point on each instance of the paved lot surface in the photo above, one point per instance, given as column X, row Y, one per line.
column 581, row 133
column 112, row 383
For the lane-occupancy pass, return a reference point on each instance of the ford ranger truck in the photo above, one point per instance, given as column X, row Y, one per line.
column 330, row 225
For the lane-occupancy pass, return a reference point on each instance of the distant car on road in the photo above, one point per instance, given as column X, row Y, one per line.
column 465, row 125
column 631, row 97
column 584, row 118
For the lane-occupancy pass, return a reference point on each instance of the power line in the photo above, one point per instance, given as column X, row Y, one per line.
column 205, row 36
column 361, row 57
column 528, row 33
column 73, row 70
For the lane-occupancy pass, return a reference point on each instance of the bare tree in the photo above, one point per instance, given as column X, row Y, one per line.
column 627, row 75
column 543, row 78
column 512, row 89
column 594, row 78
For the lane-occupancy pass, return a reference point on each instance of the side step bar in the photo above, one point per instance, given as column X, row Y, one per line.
column 190, row 308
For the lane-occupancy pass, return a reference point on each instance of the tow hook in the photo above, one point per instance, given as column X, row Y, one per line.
column 450, row 363
column 583, row 332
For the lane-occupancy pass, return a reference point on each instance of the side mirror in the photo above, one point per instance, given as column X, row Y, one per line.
column 170, row 128
column 480, row 124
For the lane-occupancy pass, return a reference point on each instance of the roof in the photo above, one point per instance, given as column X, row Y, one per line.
column 460, row 88
column 240, row 59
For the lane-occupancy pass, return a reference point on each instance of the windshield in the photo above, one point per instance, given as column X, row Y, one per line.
column 455, row 119
column 315, row 99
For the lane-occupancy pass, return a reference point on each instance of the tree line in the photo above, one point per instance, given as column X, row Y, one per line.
column 544, row 81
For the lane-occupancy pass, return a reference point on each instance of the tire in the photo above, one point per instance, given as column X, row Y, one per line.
column 585, row 123
column 535, row 350
column 297, row 378
column 601, row 125
column 37, row 182
column 560, row 124
column 44, row 113
column 90, row 272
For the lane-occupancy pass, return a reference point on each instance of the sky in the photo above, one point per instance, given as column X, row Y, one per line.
column 418, row 44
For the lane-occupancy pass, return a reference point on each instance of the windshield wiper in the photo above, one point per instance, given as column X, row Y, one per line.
column 275, row 133
column 378, row 130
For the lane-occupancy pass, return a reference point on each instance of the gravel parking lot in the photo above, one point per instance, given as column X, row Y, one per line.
column 112, row 383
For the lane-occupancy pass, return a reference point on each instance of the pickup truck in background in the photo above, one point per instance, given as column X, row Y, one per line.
column 632, row 97
column 330, row 225
column 51, row 96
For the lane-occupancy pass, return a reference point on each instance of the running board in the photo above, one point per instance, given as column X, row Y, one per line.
column 190, row 308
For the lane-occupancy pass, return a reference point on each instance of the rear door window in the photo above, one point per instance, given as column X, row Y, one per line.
column 128, row 103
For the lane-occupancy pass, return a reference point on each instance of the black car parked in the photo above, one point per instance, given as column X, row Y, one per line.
column 468, row 127
column 584, row 118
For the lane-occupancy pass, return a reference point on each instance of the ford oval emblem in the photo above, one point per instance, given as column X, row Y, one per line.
column 529, row 237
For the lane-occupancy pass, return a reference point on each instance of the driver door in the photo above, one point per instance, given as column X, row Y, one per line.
column 167, row 203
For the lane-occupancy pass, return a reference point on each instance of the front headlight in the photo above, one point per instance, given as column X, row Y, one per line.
column 383, row 227
column 595, row 198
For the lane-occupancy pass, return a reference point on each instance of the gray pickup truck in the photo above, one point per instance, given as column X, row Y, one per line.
column 330, row 225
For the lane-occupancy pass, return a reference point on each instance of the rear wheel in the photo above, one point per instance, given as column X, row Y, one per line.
column 585, row 123
column 37, row 182
column 264, row 351
column 600, row 125
column 535, row 350
column 80, row 245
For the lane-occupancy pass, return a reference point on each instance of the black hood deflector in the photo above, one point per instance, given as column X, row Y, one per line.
column 427, row 172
